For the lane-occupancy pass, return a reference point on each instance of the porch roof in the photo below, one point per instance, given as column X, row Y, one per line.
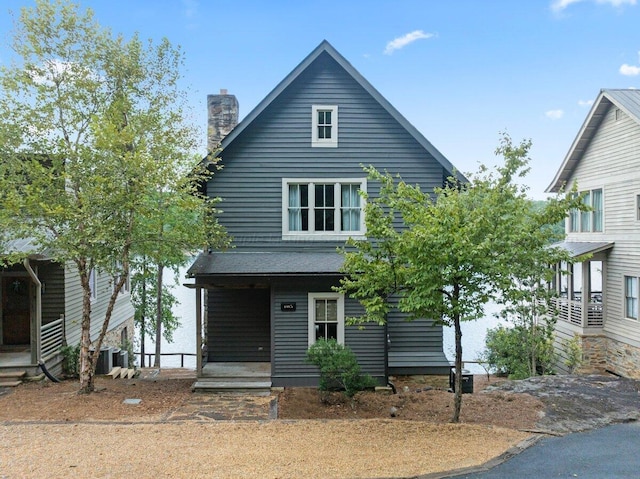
column 578, row 248
column 265, row 264
column 26, row 245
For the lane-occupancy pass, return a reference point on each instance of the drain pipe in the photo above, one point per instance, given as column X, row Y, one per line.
column 37, row 357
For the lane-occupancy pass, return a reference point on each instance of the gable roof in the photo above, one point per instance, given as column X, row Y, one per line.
column 626, row 100
column 325, row 47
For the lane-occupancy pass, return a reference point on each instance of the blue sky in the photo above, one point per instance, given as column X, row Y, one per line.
column 461, row 71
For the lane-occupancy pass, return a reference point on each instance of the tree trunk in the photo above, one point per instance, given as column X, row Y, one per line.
column 87, row 370
column 158, row 316
column 142, row 318
column 457, row 399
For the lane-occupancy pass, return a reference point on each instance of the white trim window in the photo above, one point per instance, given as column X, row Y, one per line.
column 324, row 120
column 323, row 208
column 631, row 297
column 588, row 221
column 326, row 317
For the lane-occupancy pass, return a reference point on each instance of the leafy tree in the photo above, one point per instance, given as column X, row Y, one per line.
column 455, row 249
column 144, row 289
column 95, row 152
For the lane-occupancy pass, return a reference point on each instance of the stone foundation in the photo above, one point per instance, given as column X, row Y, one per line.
column 602, row 354
column 113, row 338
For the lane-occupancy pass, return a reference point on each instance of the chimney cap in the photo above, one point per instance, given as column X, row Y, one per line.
column 223, row 91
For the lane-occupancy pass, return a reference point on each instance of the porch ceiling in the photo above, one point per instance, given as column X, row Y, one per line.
column 579, row 248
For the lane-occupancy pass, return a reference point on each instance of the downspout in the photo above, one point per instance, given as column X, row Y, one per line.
column 37, row 351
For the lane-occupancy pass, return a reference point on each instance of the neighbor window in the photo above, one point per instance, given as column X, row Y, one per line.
column 588, row 221
column 93, row 284
column 322, row 208
column 326, row 317
column 325, row 126
column 631, row 297
column 638, row 207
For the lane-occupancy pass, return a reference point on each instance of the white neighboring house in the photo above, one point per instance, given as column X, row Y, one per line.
column 599, row 300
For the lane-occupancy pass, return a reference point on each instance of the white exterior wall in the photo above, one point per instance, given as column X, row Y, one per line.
column 612, row 162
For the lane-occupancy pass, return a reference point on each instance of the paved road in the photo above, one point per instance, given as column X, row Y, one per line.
column 610, row 452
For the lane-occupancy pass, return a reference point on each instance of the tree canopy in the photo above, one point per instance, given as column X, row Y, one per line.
column 445, row 254
column 98, row 163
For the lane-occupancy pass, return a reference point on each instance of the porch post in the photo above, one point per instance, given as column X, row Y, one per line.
column 198, row 331
column 35, row 336
column 586, row 292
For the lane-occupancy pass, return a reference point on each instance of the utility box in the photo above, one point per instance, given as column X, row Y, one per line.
column 467, row 381
column 115, row 357
column 123, row 359
column 105, row 361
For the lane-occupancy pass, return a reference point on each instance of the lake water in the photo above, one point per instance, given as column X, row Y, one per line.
column 184, row 338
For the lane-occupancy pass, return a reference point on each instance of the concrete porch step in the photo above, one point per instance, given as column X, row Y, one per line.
column 11, row 379
column 232, row 386
column 9, row 384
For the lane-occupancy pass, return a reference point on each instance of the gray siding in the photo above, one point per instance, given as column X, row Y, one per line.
column 278, row 145
column 291, row 336
column 52, row 277
column 122, row 311
column 238, row 325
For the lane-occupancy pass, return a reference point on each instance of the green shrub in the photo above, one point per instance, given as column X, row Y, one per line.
column 573, row 353
column 71, row 360
column 339, row 368
column 520, row 352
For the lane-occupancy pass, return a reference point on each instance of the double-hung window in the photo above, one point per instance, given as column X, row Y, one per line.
column 93, row 284
column 322, row 209
column 588, row 221
column 631, row 297
column 326, row 317
column 324, row 121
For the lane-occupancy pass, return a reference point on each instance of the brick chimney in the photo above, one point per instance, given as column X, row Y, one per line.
column 223, row 117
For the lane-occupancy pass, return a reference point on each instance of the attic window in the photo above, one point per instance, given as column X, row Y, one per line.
column 325, row 126
column 618, row 114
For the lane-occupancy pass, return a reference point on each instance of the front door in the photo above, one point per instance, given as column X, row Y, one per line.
column 239, row 325
column 16, row 310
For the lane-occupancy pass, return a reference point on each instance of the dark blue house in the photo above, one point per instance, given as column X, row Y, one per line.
column 291, row 172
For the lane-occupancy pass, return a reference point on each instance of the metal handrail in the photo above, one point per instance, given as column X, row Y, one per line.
column 151, row 355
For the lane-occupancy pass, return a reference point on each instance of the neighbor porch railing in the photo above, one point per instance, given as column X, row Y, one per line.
column 51, row 338
column 589, row 315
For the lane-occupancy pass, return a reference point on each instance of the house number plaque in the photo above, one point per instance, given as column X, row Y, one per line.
column 287, row 306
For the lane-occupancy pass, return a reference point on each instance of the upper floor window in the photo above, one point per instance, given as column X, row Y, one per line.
column 588, row 221
column 322, row 209
column 325, row 126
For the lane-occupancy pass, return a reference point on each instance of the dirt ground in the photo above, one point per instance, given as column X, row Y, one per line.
column 48, row 430
column 415, row 401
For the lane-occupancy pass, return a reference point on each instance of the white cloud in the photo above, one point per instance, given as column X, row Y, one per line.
column 401, row 42
column 190, row 8
column 560, row 5
column 629, row 70
column 554, row 114
column 585, row 102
